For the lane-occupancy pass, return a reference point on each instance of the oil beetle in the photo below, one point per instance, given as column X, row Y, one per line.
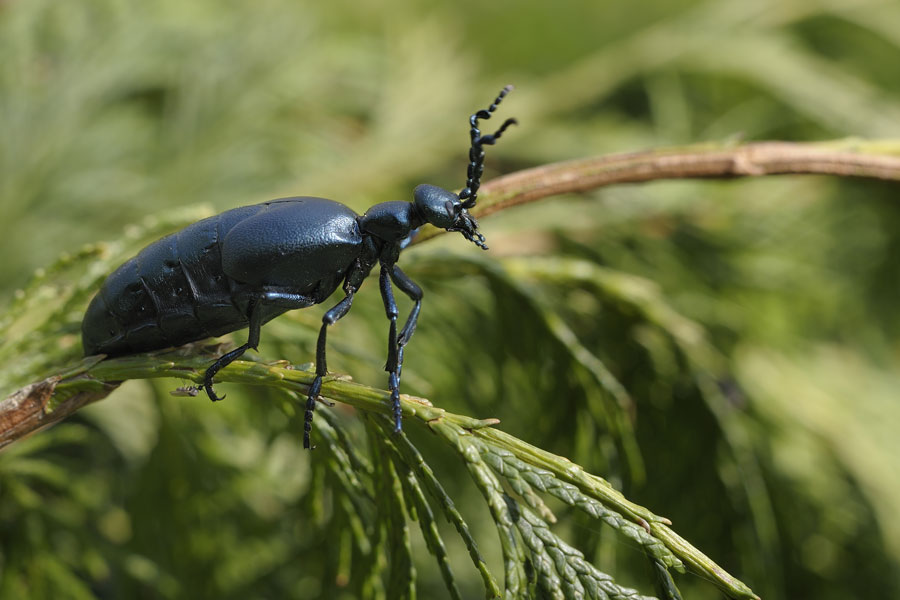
column 248, row 265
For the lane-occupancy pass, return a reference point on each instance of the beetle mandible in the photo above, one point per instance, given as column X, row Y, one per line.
column 248, row 265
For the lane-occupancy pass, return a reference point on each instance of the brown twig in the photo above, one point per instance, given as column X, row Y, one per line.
column 29, row 409
column 845, row 158
column 750, row 160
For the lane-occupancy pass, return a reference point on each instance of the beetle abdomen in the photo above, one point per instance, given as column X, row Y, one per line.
column 173, row 292
column 197, row 283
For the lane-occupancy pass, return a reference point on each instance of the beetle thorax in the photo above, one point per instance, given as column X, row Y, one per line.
column 391, row 221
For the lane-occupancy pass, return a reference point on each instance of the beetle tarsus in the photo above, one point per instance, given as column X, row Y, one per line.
column 396, row 408
column 314, row 390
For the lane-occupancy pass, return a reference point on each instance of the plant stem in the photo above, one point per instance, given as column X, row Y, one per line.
column 846, row 158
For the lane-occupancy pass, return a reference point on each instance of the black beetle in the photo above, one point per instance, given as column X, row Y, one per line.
column 248, row 265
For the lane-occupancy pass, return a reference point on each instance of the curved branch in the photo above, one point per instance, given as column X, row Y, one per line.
column 844, row 158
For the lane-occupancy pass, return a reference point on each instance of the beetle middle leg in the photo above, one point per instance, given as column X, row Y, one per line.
column 331, row 317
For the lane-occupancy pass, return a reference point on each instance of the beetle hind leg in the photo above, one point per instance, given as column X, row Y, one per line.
column 217, row 366
column 270, row 297
column 229, row 357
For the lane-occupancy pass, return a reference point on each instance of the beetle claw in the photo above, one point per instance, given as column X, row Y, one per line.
column 212, row 395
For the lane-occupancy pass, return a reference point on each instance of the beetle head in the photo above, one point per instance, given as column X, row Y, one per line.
column 445, row 210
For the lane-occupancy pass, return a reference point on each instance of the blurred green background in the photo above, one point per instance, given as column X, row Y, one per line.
column 762, row 379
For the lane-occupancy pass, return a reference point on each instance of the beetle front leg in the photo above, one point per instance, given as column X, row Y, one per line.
column 331, row 317
column 408, row 287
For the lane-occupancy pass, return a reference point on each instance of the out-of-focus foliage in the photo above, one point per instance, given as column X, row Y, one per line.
column 726, row 353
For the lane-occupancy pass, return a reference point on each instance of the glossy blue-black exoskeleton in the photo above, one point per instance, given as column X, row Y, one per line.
column 248, row 265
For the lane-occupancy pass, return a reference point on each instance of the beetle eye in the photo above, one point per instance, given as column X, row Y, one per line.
column 448, row 206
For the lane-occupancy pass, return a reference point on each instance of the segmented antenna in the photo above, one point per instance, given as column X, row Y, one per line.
column 476, row 153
